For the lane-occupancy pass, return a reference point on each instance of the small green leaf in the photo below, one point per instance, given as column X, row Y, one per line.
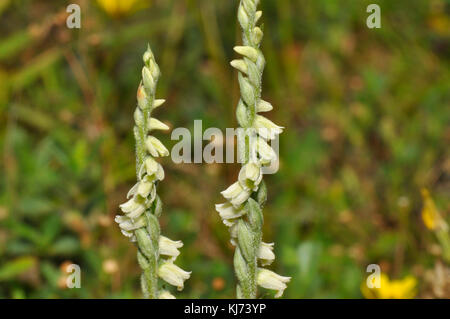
column 12, row 269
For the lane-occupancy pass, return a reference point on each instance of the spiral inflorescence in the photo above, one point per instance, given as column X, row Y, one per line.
column 139, row 221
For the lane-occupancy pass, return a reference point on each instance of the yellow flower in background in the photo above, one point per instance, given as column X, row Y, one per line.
column 430, row 215
column 119, row 8
column 438, row 19
column 403, row 289
column 434, row 221
column 391, row 289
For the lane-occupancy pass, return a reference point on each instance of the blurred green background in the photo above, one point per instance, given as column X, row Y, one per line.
column 367, row 117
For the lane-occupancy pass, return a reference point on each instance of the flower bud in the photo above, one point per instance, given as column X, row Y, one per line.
column 258, row 15
column 249, row 6
column 157, row 125
column 247, row 51
column 148, row 55
column 260, row 63
column 155, row 147
column 257, row 35
column 240, row 65
column 158, row 103
column 266, row 128
column 154, row 69
column 147, row 79
column 142, row 98
column 264, row 106
column 243, row 17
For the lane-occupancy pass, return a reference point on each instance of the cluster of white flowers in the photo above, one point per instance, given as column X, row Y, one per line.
column 242, row 211
column 142, row 194
column 139, row 220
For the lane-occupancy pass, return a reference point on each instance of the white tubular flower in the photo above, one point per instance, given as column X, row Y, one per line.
column 265, row 253
column 266, row 153
column 126, row 233
column 250, row 176
column 153, row 169
column 155, row 147
column 133, row 208
column 169, row 247
column 144, row 188
column 266, row 128
column 227, row 211
column 127, row 225
column 166, row 295
column 173, row 274
column 270, row 280
column 236, row 194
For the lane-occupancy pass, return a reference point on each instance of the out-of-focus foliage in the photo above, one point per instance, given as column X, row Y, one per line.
column 367, row 117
